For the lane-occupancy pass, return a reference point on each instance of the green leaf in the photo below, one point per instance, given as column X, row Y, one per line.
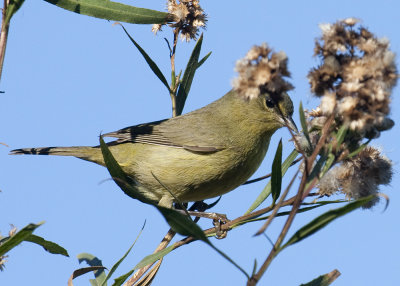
column 182, row 224
column 324, row 219
column 341, row 134
column 203, row 59
column 188, row 76
column 49, row 246
column 324, row 280
column 156, row 70
column 92, row 261
column 115, row 266
column 329, row 161
column 304, row 123
column 254, row 267
column 18, row 237
column 121, row 279
column 149, row 259
column 12, row 8
column 113, row 11
column 267, row 190
column 276, row 176
column 317, row 168
column 119, row 176
column 359, row 149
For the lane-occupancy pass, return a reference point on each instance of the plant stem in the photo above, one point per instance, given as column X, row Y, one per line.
column 301, row 194
column 3, row 36
column 174, row 84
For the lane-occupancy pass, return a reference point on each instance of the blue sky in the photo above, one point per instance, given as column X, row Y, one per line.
column 68, row 77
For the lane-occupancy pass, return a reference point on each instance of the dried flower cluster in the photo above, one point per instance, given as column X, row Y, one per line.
column 262, row 70
column 359, row 176
column 189, row 18
column 355, row 78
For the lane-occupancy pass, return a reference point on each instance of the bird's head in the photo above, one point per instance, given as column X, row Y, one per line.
column 276, row 110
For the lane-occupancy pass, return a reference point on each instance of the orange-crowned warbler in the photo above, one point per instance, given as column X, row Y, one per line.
column 199, row 155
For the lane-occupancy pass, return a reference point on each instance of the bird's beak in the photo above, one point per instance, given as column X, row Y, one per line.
column 290, row 124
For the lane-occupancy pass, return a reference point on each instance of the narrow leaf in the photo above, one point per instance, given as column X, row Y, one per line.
column 121, row 279
column 317, row 168
column 359, row 149
column 182, row 224
column 276, row 175
column 49, row 246
column 118, row 175
column 113, row 11
column 254, row 267
column 329, row 161
column 156, row 70
column 188, row 76
column 324, row 280
column 203, row 59
column 324, row 219
column 267, row 190
column 18, row 237
column 341, row 134
column 81, row 271
column 115, row 266
column 12, row 8
column 304, row 123
column 149, row 259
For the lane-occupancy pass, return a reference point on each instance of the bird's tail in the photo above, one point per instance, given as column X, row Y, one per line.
column 92, row 154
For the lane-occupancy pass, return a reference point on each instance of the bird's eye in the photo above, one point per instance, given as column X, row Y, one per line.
column 270, row 103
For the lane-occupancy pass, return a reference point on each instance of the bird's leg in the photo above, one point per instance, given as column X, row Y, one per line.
column 210, row 215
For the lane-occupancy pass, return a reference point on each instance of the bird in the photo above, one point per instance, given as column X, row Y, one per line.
column 198, row 155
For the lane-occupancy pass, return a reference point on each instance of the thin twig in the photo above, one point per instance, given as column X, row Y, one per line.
column 277, row 206
column 269, row 175
column 296, row 204
column 174, row 85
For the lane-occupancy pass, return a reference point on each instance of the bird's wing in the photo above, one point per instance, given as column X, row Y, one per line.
column 178, row 134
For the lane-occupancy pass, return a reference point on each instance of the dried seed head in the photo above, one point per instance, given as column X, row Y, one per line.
column 156, row 28
column 359, row 71
column 359, row 176
column 261, row 70
column 189, row 18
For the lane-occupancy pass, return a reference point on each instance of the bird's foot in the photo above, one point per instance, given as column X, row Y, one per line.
column 218, row 221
